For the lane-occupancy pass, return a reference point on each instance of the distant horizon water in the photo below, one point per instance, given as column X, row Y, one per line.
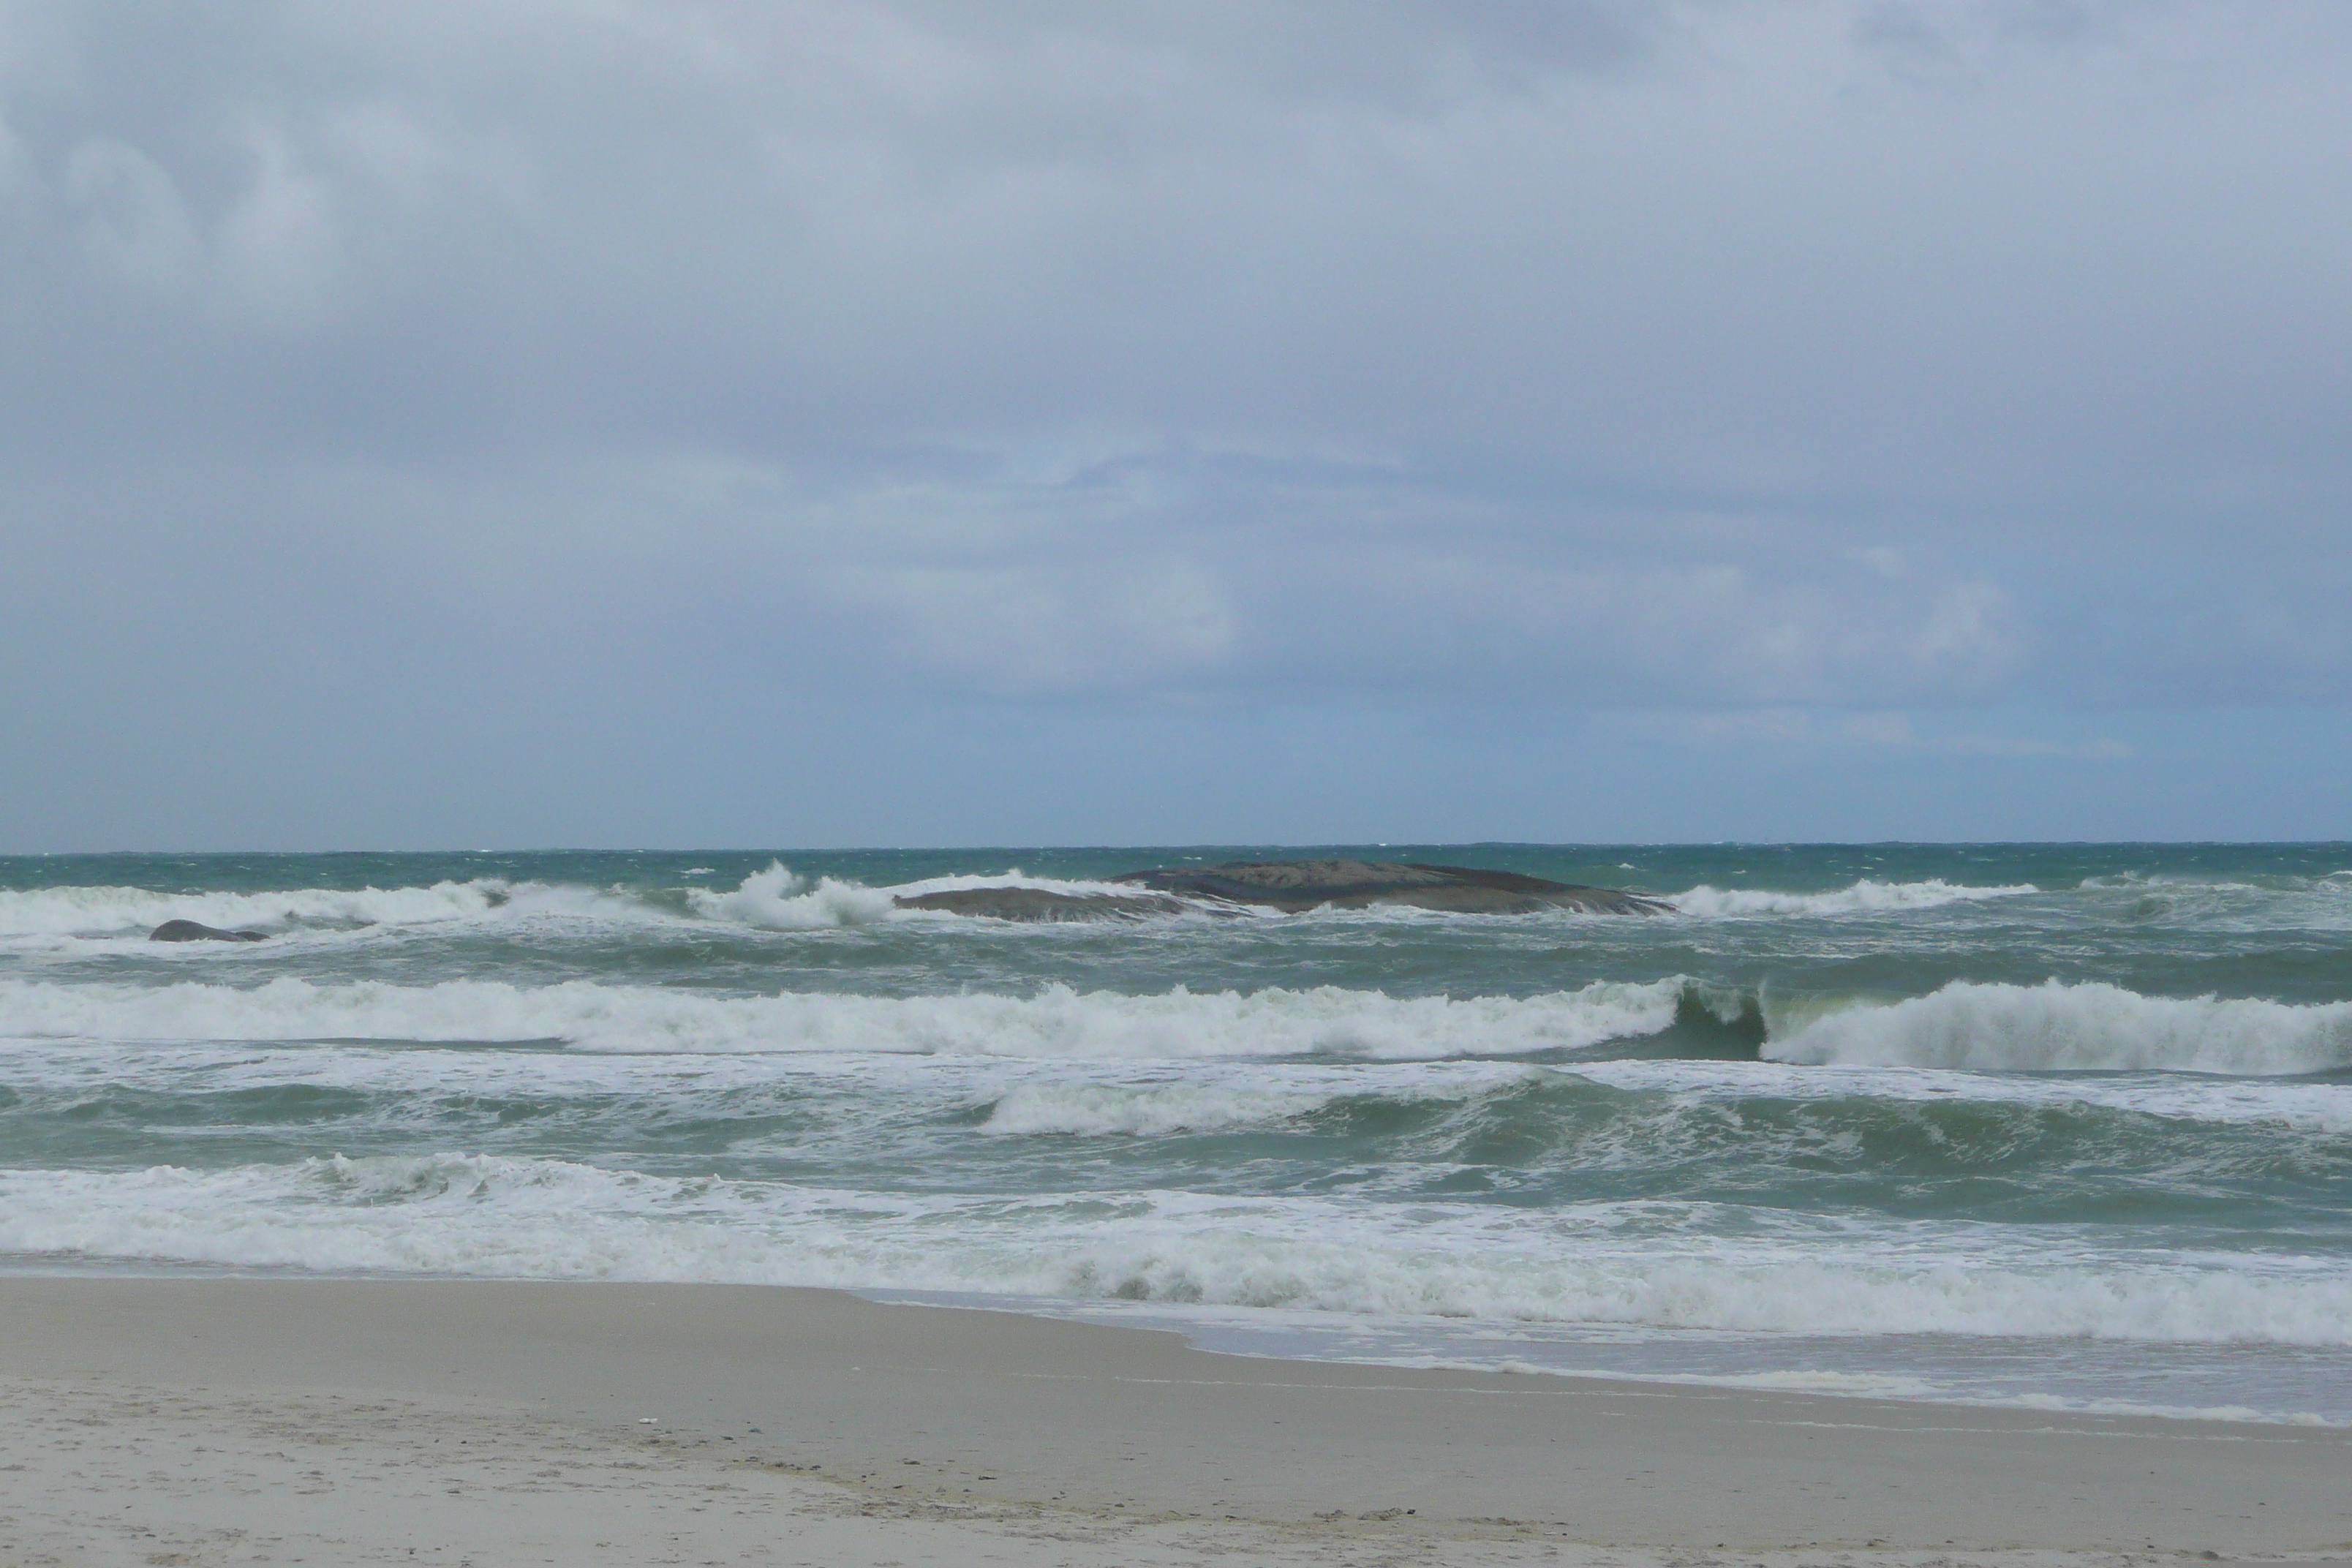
column 1222, row 849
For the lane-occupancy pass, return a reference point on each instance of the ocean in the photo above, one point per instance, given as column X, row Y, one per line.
column 2066, row 1126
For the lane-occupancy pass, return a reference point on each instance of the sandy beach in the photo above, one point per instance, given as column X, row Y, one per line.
column 234, row 1421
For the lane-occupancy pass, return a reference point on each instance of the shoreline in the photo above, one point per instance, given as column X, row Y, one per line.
column 1226, row 1332
column 869, row 1418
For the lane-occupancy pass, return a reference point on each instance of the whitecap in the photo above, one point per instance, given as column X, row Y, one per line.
column 2056, row 1026
column 1056, row 1021
column 1865, row 897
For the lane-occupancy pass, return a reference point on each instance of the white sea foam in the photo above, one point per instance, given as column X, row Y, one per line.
column 117, row 911
column 1015, row 877
column 1101, row 1098
column 2316, row 1107
column 775, row 899
column 1054, row 1021
column 2061, row 1027
column 1100, row 1109
column 779, row 900
column 543, row 1218
column 1891, row 1385
column 1864, row 898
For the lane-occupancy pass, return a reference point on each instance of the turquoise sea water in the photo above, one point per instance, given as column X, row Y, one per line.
column 2063, row 1124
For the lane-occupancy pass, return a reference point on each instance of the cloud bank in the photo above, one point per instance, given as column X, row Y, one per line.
column 387, row 388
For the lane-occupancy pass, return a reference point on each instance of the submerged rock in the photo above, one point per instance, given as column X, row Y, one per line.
column 193, row 930
column 1300, row 885
column 1041, row 904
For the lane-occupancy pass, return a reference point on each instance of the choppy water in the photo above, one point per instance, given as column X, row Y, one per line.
column 2066, row 1124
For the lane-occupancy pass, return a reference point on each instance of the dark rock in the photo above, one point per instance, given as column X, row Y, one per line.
column 1298, row 885
column 190, row 931
column 1040, row 904
column 1292, row 886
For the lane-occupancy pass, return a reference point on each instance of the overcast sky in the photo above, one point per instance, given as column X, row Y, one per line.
column 593, row 422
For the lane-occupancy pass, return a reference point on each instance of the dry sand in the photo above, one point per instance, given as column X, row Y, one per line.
column 230, row 1421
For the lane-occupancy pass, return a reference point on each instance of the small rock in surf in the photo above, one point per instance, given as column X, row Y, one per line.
column 1041, row 904
column 193, row 930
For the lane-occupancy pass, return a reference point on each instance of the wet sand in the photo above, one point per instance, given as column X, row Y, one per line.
column 234, row 1421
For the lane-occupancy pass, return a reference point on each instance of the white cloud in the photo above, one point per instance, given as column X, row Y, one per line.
column 279, row 243
column 1019, row 630
column 1880, row 729
column 1970, row 634
column 18, row 179
column 1795, row 729
column 132, row 219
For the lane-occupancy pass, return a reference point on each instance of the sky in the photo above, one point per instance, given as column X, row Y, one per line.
column 601, row 422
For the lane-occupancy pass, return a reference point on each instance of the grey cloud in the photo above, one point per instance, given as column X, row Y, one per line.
column 1174, row 580
column 1842, row 353
column 1797, row 729
column 1970, row 34
column 782, row 229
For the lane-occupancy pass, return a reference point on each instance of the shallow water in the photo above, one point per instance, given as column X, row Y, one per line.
column 2057, row 1124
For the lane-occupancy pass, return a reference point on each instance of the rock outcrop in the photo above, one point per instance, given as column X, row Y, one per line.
column 1042, row 904
column 193, row 930
column 1291, row 886
column 1297, row 885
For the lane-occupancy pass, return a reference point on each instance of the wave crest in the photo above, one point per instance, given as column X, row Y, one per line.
column 1055, row 1022
column 103, row 911
column 1865, row 897
column 2056, row 1026
column 777, row 900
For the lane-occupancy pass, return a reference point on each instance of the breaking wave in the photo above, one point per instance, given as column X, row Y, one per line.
column 2055, row 1027
column 1865, row 897
column 1055, row 1022
column 133, row 911
column 780, row 901
column 480, row 1214
column 1968, row 1026
column 776, row 898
